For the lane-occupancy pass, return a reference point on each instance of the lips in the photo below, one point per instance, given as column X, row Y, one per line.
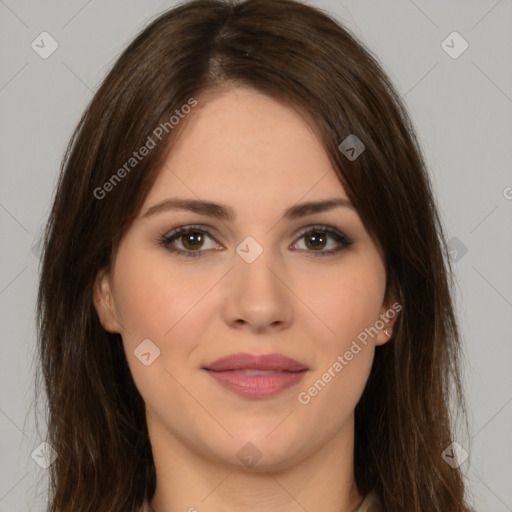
column 268, row 362
column 253, row 376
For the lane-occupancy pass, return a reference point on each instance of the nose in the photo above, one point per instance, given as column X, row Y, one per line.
column 257, row 296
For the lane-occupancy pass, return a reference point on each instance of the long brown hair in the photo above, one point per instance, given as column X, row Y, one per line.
column 298, row 54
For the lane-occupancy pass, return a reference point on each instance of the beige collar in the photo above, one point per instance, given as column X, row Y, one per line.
column 371, row 503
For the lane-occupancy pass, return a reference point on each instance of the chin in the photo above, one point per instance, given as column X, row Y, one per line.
column 255, row 449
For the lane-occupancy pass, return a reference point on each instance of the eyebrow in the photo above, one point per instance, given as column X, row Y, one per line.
column 227, row 213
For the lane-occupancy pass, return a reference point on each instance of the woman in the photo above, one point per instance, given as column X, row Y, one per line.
column 245, row 297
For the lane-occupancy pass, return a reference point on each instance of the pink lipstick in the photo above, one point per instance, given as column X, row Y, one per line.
column 253, row 376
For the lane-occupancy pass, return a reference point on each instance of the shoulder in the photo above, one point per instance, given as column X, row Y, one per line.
column 371, row 503
column 146, row 507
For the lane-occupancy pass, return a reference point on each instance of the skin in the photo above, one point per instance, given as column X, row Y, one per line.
column 245, row 150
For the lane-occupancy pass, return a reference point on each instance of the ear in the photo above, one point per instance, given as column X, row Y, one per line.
column 104, row 302
column 388, row 316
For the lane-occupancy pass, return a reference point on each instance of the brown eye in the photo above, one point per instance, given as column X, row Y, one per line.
column 318, row 238
column 188, row 241
column 192, row 240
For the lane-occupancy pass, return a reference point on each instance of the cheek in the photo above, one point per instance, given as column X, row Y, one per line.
column 155, row 301
column 153, row 297
column 348, row 306
column 349, row 303
column 343, row 362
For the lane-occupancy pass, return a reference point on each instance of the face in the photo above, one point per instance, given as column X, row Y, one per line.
column 257, row 275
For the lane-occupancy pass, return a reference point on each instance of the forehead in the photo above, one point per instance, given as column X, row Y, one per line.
column 241, row 147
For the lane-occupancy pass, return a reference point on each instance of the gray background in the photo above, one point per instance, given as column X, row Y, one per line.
column 461, row 108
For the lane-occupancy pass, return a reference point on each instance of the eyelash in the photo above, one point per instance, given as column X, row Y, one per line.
column 338, row 236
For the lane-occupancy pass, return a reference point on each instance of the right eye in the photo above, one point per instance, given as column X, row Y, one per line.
column 191, row 238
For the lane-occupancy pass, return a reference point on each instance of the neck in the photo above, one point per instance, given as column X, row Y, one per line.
column 189, row 481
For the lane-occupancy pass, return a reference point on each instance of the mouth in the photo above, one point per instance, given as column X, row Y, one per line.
column 253, row 376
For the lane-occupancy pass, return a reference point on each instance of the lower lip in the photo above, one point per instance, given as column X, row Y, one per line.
column 257, row 386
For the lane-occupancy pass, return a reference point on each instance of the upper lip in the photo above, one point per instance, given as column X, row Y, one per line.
column 242, row 361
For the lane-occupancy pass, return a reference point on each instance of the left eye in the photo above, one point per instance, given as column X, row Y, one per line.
column 318, row 238
column 192, row 240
